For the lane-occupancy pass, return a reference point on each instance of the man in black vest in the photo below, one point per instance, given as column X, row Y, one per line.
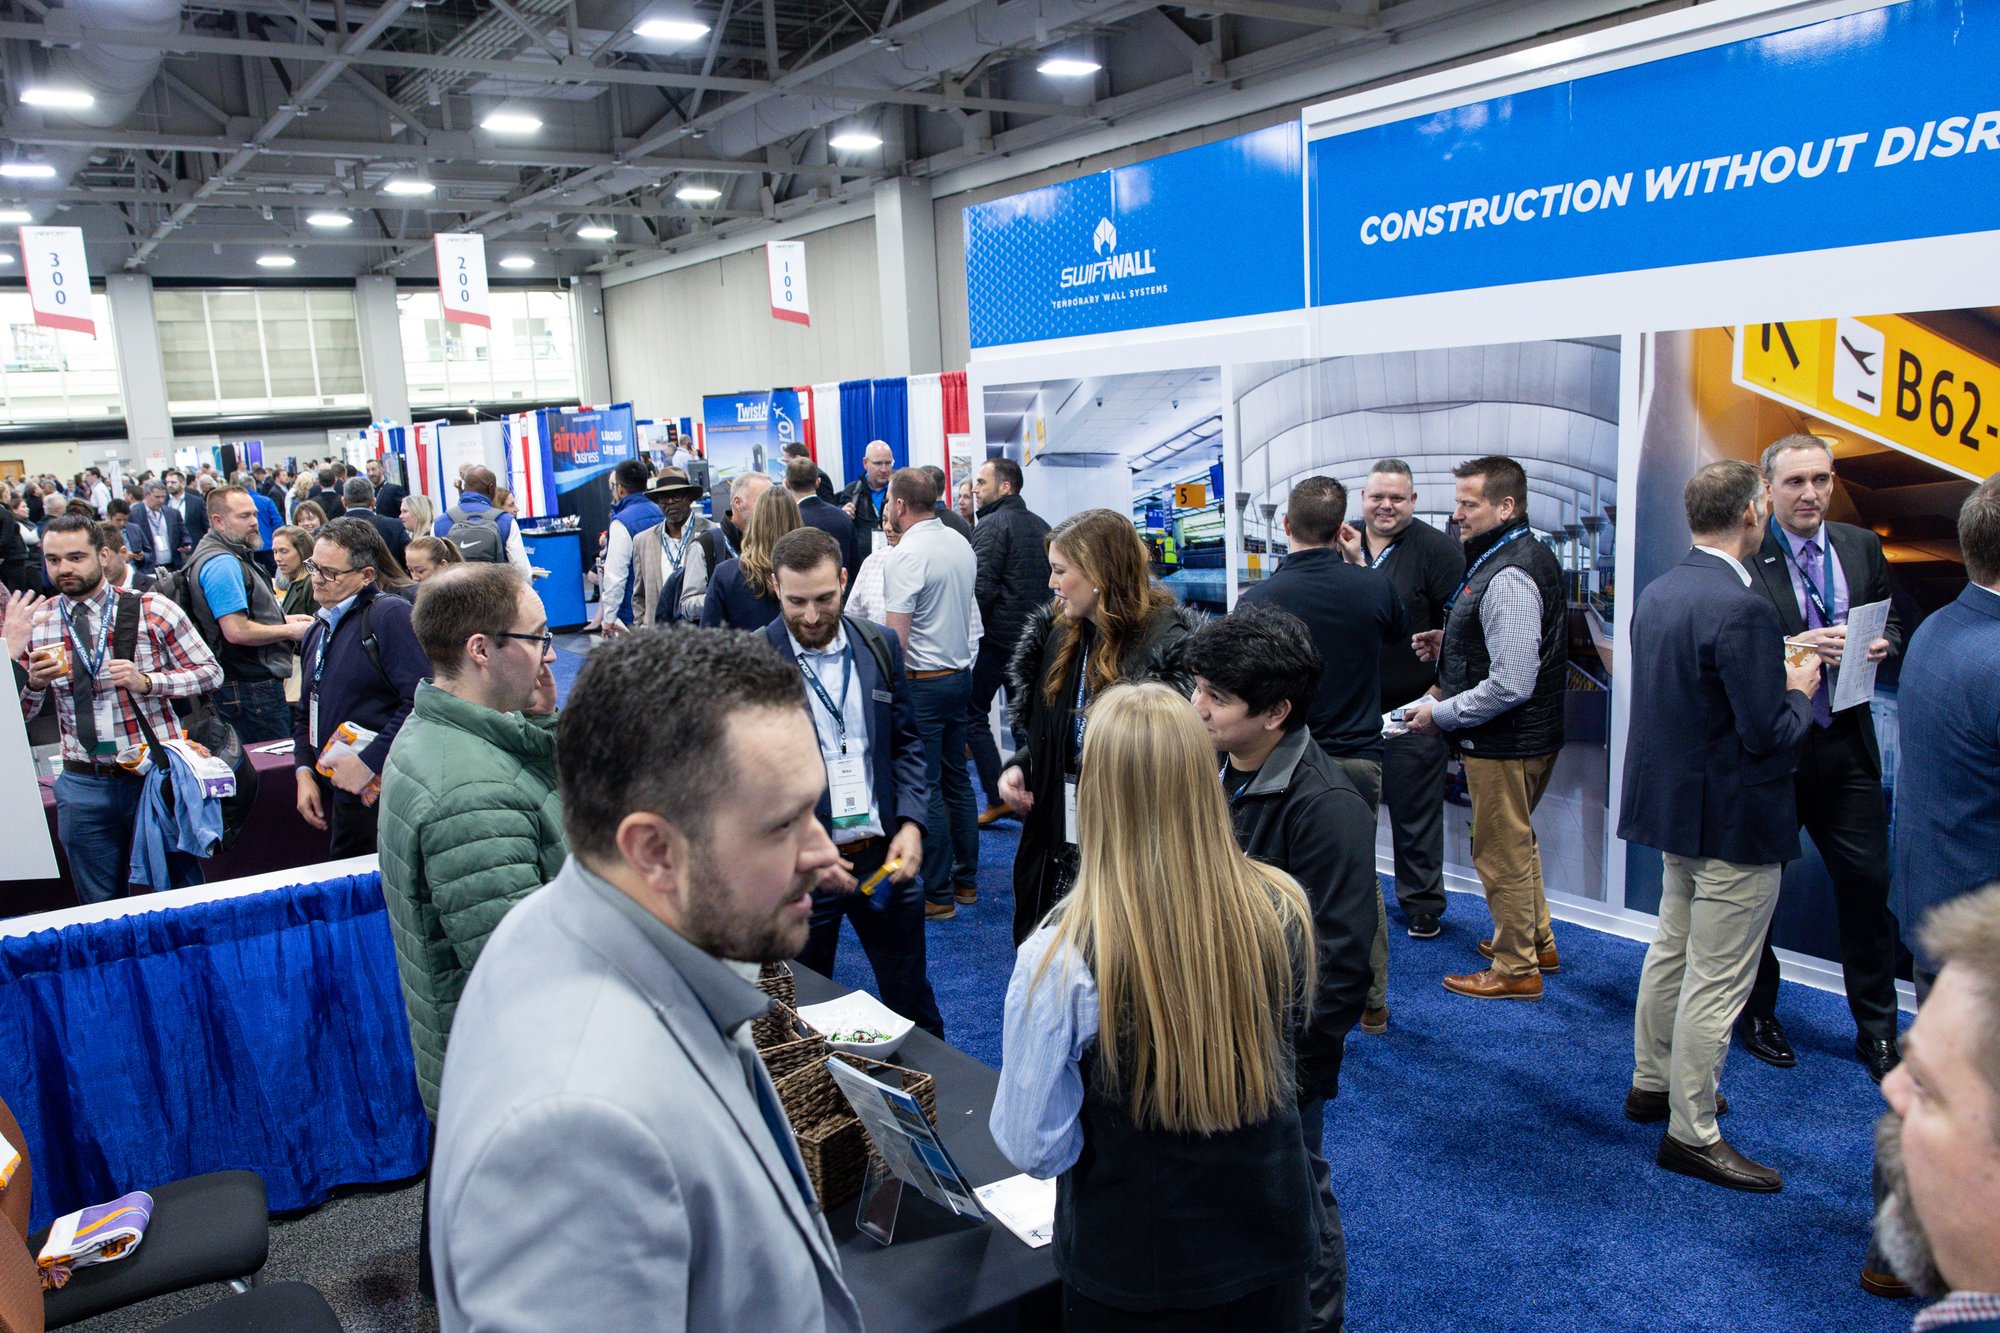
column 1815, row 572
column 1501, row 660
column 243, row 621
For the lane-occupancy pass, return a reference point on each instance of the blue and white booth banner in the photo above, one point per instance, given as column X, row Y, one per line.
column 1208, row 233
column 1872, row 127
column 556, row 450
column 746, row 432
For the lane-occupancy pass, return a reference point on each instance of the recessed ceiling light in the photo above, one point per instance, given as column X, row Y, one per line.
column 517, row 261
column 66, row 99
column 670, row 30
column 697, row 194
column 511, row 122
column 329, row 220
column 597, row 233
column 275, row 261
column 409, row 185
column 28, row 171
column 1064, row 67
column 16, row 215
column 6, row 258
column 855, row 141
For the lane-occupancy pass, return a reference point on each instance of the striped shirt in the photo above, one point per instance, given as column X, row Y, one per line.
column 1510, row 612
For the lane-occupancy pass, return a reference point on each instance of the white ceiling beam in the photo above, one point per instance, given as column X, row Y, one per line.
column 1300, row 14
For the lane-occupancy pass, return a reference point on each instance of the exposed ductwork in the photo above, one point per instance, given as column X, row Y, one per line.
column 116, row 76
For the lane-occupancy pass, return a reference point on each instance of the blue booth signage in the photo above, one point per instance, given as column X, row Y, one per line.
column 1873, row 127
column 746, row 431
column 583, row 446
column 1208, row 233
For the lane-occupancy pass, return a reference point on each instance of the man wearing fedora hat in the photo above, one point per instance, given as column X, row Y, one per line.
column 682, row 531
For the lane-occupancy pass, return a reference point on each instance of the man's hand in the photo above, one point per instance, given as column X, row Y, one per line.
column 20, row 621
column 308, row 799
column 1014, row 789
column 1878, row 650
column 544, row 701
column 42, row 671
column 612, row 627
column 123, row 674
column 837, row 878
column 1427, row 644
column 848, row 509
column 1804, row 679
column 1419, row 719
column 1349, row 542
column 1830, row 642
column 908, row 844
column 296, row 627
column 350, row 774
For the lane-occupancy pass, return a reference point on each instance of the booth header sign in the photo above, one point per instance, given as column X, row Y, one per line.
column 1209, row 233
column 583, row 446
column 1873, row 127
column 746, row 431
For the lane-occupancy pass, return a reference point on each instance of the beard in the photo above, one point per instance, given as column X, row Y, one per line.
column 718, row 926
column 1897, row 1230
column 814, row 638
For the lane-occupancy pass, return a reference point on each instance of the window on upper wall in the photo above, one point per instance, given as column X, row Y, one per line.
column 54, row 374
column 259, row 349
column 528, row 355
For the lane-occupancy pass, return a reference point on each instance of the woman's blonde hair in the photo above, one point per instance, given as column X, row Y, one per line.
column 1202, row 957
column 424, row 510
column 441, row 550
column 775, row 514
column 1105, row 548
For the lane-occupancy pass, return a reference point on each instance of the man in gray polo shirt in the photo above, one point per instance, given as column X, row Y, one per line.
column 927, row 592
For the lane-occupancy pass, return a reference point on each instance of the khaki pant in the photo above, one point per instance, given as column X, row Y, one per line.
column 1697, row 975
column 1366, row 775
column 1504, row 794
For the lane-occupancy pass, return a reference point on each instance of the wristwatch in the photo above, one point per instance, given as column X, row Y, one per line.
column 145, row 683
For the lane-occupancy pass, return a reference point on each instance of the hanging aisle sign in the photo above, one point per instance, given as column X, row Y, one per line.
column 461, row 257
column 787, row 263
column 58, row 278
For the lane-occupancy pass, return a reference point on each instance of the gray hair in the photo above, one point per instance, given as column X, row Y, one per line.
column 1785, row 444
column 156, row 488
column 1979, row 532
column 358, row 493
column 1964, row 933
column 1394, row 465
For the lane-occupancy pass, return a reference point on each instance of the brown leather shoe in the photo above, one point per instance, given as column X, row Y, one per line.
column 1649, row 1108
column 964, row 894
column 940, row 911
column 994, row 813
column 1886, row 1285
column 1718, row 1164
column 1491, row 985
column 1375, row 1021
column 1546, row 959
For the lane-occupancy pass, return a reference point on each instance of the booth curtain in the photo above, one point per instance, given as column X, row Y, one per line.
column 957, row 409
column 892, row 416
column 263, row 1033
column 926, row 418
column 857, row 423
column 827, row 435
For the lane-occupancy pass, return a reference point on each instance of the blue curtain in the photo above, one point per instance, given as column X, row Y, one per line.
column 857, row 424
column 892, row 416
column 263, row 1033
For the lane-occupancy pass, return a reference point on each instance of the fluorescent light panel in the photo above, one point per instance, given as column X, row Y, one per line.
column 697, row 194
column 64, row 99
column 854, row 141
column 409, row 185
column 511, row 122
column 329, row 220
column 517, row 261
column 597, row 233
column 670, row 30
column 275, row 261
column 1064, row 67
column 16, row 215
column 28, row 171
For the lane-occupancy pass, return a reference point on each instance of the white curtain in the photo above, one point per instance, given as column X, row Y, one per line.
column 927, row 423
column 826, row 432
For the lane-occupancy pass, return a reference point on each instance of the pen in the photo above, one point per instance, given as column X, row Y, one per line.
column 889, row 867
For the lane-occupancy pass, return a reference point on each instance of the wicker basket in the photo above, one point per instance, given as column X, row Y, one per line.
column 787, row 1043
column 832, row 1142
column 776, row 981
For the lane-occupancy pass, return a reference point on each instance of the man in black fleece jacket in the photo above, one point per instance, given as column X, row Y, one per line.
column 1293, row 807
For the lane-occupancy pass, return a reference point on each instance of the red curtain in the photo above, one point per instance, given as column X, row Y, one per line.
column 957, row 411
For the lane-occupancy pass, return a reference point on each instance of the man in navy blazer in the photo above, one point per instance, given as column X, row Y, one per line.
column 876, row 799
column 1718, row 715
column 143, row 529
column 801, row 477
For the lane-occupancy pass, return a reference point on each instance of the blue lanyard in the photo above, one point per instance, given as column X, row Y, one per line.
column 1386, row 552
column 677, row 555
column 92, row 664
column 826, row 701
column 1826, row 570
column 1082, row 698
column 1491, row 551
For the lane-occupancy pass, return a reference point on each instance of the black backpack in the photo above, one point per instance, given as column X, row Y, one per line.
column 878, row 647
column 668, row 610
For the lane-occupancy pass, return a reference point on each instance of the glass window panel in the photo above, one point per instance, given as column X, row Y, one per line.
column 51, row 374
column 239, row 345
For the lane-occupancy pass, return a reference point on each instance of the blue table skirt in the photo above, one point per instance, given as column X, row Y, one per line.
column 264, row 1033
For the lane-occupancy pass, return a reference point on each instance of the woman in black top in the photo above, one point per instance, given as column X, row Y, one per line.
column 741, row 595
column 1108, row 622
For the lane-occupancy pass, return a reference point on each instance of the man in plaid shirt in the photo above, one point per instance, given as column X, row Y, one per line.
column 70, row 648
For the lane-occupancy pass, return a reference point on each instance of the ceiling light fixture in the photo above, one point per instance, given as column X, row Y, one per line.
column 597, row 233
column 409, row 185
column 27, row 171
column 510, row 122
column 275, row 261
column 62, row 99
column 697, row 194
column 517, row 261
column 854, row 141
column 16, row 215
column 670, row 30
column 329, row 220
column 1065, row 67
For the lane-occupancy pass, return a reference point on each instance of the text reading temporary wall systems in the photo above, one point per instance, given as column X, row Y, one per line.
column 1895, row 146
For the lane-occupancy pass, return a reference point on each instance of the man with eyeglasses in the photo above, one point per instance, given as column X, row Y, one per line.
column 362, row 664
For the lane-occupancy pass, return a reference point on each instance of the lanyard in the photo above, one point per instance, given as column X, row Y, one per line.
column 92, row 663
column 1082, row 699
column 826, row 700
column 1491, row 551
column 1826, row 571
column 1222, row 775
column 677, row 555
column 1384, row 554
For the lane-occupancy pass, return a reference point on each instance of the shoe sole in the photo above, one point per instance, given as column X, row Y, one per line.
column 1693, row 1172
column 941, row 916
column 1888, row 1291
column 1375, row 1030
column 1489, row 995
column 1430, row 934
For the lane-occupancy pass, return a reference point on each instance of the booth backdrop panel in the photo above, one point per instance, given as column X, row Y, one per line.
column 828, row 437
column 926, row 418
column 263, row 1033
column 561, row 554
column 892, row 417
column 857, row 424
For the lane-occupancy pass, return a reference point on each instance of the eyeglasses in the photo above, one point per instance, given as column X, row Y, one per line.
column 546, row 638
column 329, row 575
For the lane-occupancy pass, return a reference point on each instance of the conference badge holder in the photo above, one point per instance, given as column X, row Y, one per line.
column 907, row 1152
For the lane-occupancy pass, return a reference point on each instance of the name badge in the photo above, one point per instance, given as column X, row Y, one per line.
column 1069, row 811
column 312, row 721
column 883, row 696
column 847, row 791
column 104, row 709
column 877, row 540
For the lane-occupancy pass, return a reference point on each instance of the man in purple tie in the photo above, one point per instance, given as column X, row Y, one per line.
column 1815, row 571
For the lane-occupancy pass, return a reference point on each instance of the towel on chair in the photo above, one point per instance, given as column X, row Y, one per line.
column 94, row 1235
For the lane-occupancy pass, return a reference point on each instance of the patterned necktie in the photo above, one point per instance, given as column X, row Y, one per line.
column 1822, row 700
column 82, row 685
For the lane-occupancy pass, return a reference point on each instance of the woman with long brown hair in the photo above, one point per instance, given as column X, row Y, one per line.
column 1147, row 1058
column 1108, row 622
column 741, row 596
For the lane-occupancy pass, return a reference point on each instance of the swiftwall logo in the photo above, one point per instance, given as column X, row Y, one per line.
column 1131, row 264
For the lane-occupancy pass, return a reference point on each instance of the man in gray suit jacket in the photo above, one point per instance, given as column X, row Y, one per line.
column 611, row 1153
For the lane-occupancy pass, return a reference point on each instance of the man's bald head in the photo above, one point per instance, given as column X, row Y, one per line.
column 481, row 481
column 880, row 462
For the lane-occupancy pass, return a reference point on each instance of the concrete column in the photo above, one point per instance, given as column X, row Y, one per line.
column 593, row 351
column 142, row 374
column 381, row 334
column 906, row 268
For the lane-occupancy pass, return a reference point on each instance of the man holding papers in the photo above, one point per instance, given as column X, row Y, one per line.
column 1817, row 573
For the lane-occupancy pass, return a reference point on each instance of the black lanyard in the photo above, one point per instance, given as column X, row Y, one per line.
column 1491, row 551
column 92, row 664
column 1826, row 571
column 826, row 700
column 1386, row 552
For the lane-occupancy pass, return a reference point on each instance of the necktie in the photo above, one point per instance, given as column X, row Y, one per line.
column 82, row 685
column 1822, row 700
column 774, row 1119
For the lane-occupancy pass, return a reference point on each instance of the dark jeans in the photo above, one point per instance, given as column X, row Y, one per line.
column 350, row 824
column 1279, row 1308
column 1413, row 788
column 1329, row 1275
column 951, row 842
column 95, row 817
column 1840, row 805
column 989, row 673
column 256, row 708
column 892, row 935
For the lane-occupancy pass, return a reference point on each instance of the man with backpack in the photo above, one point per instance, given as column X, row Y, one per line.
column 682, row 531
column 485, row 533
column 237, row 612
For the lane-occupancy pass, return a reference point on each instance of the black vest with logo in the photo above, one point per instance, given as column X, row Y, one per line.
column 1535, row 726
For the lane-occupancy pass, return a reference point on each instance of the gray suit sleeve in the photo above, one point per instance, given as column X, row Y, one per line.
column 570, row 1217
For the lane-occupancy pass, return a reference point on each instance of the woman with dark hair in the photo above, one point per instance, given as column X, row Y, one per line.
column 1108, row 623
column 291, row 548
column 741, row 595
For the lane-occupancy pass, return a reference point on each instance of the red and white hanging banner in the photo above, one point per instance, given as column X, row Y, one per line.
column 787, row 263
column 461, row 257
column 58, row 278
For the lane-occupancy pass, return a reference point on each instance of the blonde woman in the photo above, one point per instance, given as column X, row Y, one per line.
column 1199, row 956
column 419, row 515
column 740, row 594
column 308, row 517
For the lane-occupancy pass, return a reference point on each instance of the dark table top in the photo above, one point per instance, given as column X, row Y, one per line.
column 944, row 1272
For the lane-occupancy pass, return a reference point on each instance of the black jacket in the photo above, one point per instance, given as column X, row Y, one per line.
column 1044, row 738
column 1352, row 614
column 1303, row 815
column 374, row 690
column 867, row 519
column 1713, row 745
column 394, row 535
column 1011, row 547
column 952, row 519
column 818, row 513
column 329, row 501
column 1425, row 565
column 389, row 499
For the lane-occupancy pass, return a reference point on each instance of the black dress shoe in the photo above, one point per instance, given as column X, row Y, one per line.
column 1765, row 1039
column 1424, row 926
column 1878, row 1054
column 1718, row 1164
column 1649, row 1108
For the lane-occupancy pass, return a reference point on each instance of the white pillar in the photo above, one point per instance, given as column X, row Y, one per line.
column 142, row 374
column 906, row 268
column 381, row 333
column 593, row 351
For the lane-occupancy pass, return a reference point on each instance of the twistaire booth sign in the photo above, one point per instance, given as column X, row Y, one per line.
column 461, row 257
column 1877, row 126
column 58, row 278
